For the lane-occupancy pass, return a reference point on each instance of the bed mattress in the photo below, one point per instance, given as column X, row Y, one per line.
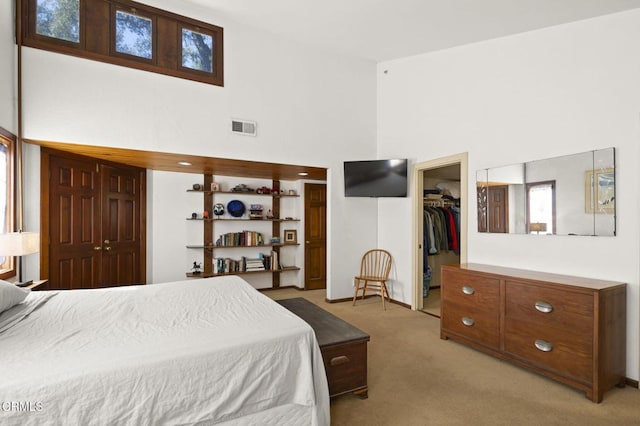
column 200, row 351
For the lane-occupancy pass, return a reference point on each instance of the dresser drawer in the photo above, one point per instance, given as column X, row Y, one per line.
column 571, row 329
column 473, row 322
column 477, row 292
column 556, row 349
column 346, row 366
column 549, row 307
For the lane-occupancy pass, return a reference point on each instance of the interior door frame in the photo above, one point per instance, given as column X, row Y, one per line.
column 45, row 228
column 417, row 198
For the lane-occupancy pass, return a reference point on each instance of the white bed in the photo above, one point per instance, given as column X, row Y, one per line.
column 200, row 352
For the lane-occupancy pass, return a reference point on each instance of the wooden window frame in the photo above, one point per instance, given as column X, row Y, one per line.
column 136, row 12
column 40, row 40
column 214, row 58
column 9, row 139
column 97, row 38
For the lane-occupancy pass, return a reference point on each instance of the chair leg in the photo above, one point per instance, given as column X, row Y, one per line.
column 384, row 294
column 356, row 284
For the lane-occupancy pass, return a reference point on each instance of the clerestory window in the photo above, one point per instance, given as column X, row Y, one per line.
column 127, row 33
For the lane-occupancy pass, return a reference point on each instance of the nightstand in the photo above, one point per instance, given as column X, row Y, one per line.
column 38, row 285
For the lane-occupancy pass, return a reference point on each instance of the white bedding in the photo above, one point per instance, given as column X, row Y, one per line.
column 190, row 352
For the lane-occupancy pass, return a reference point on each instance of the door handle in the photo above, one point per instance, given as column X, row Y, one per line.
column 107, row 248
column 96, row 248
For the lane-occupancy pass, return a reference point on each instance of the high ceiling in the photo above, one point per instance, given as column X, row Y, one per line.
column 380, row 30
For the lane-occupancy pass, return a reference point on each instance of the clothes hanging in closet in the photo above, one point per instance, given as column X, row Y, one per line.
column 441, row 230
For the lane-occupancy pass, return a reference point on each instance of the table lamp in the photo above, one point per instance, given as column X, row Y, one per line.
column 538, row 227
column 19, row 244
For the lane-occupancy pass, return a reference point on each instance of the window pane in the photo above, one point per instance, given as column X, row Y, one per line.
column 197, row 51
column 58, row 19
column 541, row 209
column 133, row 35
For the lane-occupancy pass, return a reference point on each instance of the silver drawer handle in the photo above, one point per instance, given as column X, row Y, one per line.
column 468, row 290
column 544, row 346
column 468, row 321
column 544, row 307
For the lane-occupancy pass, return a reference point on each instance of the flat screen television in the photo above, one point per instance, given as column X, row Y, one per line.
column 375, row 178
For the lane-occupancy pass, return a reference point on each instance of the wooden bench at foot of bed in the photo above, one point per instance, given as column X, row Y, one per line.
column 343, row 347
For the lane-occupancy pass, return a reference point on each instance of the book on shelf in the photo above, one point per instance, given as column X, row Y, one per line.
column 264, row 262
column 244, row 238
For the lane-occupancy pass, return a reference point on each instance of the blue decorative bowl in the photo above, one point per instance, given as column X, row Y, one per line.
column 236, row 208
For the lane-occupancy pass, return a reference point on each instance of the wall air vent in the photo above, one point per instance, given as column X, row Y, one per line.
column 244, row 127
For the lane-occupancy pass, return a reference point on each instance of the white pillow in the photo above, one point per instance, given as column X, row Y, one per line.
column 11, row 295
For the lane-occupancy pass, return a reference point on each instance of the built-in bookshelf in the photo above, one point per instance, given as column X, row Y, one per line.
column 218, row 240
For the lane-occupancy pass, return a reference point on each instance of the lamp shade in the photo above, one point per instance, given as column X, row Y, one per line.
column 19, row 243
column 538, row 227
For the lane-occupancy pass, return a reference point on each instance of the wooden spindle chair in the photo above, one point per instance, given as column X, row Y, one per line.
column 374, row 274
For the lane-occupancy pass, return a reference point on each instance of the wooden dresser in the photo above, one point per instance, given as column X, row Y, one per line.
column 567, row 328
column 343, row 347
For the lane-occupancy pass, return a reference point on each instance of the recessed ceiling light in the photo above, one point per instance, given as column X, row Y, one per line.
column 184, row 163
column 303, row 174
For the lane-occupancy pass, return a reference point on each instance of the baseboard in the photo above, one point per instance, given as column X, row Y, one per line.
column 632, row 383
column 281, row 288
column 404, row 305
column 345, row 299
column 430, row 314
column 350, row 299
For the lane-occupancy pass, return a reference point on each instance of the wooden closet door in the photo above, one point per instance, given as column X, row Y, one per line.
column 94, row 223
column 74, row 206
column 122, row 246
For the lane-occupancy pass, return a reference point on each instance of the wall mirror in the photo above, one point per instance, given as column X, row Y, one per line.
column 567, row 195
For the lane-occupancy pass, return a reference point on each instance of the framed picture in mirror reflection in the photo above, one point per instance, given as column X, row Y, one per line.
column 600, row 191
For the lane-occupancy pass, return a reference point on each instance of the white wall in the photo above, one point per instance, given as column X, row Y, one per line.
column 312, row 108
column 560, row 90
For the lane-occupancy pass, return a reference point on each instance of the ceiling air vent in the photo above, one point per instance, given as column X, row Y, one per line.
column 243, row 127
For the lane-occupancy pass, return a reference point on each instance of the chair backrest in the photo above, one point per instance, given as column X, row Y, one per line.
column 376, row 263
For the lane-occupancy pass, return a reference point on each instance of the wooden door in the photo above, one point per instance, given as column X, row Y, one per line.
column 315, row 231
column 499, row 209
column 74, row 237
column 121, row 226
column 94, row 223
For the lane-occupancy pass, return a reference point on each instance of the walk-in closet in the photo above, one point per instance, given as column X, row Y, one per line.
column 441, row 239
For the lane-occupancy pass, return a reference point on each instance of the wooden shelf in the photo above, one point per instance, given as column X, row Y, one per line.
column 245, row 220
column 203, row 275
column 208, row 247
column 242, row 193
column 241, row 246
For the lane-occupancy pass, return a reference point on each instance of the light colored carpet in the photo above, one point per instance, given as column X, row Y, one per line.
column 415, row 378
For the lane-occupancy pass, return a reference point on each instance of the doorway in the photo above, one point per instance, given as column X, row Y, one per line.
column 315, row 236
column 438, row 169
column 93, row 222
